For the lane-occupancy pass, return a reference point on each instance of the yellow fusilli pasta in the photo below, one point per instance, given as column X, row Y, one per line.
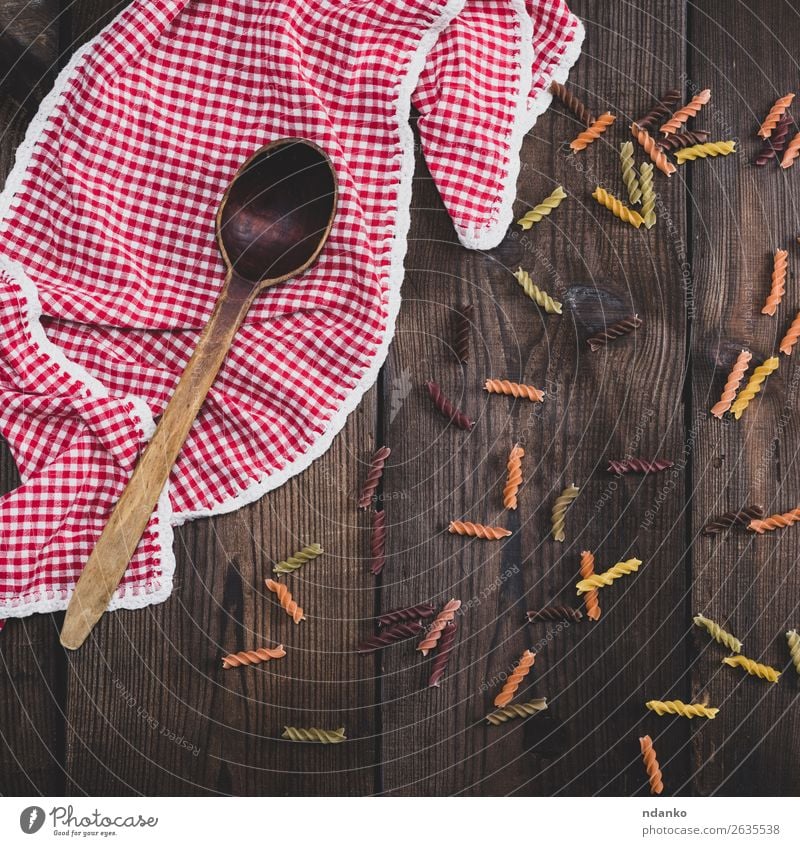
column 702, row 151
column 617, row 571
column 540, row 297
column 718, row 633
column 753, row 386
column 512, row 711
column 793, row 639
column 617, row 207
column 559, row 513
column 314, row 735
column 542, row 209
column 763, row 671
column 648, row 195
column 681, row 709
column 629, row 177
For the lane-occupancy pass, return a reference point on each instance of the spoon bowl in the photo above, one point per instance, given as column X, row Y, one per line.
column 272, row 224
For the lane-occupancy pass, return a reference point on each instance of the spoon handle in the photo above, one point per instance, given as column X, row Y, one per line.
column 128, row 521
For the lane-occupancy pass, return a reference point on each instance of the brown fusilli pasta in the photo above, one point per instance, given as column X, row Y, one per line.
column 593, row 132
column 663, row 108
column 688, row 111
column 445, row 616
column 679, row 140
column 447, row 409
column 732, row 383
column 514, row 479
column 573, row 103
column 252, row 656
column 611, row 333
column 285, row 598
column 477, row 530
column 405, row 615
column 373, row 479
column 377, row 543
column 725, row 521
column 779, row 272
column 638, row 465
column 553, row 613
column 773, row 147
column 462, row 331
column 389, row 635
column 515, row 679
column 444, row 652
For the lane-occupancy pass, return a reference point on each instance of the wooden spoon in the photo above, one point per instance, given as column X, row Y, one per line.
column 271, row 225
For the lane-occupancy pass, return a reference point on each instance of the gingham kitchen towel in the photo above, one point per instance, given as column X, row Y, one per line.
column 109, row 267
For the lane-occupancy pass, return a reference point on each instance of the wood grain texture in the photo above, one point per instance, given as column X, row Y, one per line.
column 742, row 215
column 599, row 405
column 31, row 665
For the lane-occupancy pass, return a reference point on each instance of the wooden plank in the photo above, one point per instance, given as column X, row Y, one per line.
column 31, row 664
column 742, row 214
column 598, row 406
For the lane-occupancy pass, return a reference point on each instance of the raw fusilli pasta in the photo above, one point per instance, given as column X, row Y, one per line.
column 447, row 409
column 791, row 152
column 543, row 209
column 611, row 333
column 377, row 543
column 616, row 571
column 593, row 132
column 444, row 652
column 573, row 103
column 753, row 386
column 688, row 111
column 559, row 513
column 462, row 332
column 651, row 765
column 285, row 598
column 792, row 334
column 657, row 155
column 445, row 616
column 661, row 109
column 540, row 297
column 681, row 709
column 252, row 656
column 793, row 640
column 590, row 598
column 515, row 679
column 514, row 479
column 477, row 530
column 718, row 633
column 779, row 271
column 628, row 167
column 775, row 114
column 389, row 635
column 512, row 711
column 617, row 207
column 551, row 613
column 314, row 735
column 648, row 195
column 296, row 561
column 775, row 521
column 763, row 671
column 703, row 151
column 732, row 383
column 513, row 389
column 374, row 474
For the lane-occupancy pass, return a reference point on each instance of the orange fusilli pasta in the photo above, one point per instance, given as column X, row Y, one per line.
column 590, row 599
column 285, row 598
column 779, row 271
column 515, row 679
column 514, row 479
column 651, row 764
column 688, row 111
column 477, row 530
column 593, row 132
column 732, row 384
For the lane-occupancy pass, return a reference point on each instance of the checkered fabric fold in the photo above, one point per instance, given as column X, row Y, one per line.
column 109, row 267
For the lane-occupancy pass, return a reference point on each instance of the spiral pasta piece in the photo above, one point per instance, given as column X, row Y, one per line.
column 552, row 613
column 611, row 333
column 683, row 139
column 559, row 512
column 444, row 653
column 513, row 682
column 628, row 168
column 377, row 543
column 514, row 478
column 513, row 389
column 616, row 571
column 374, row 475
column 663, row 108
column 462, row 332
column 779, row 271
column 477, row 530
column 252, row 656
column 681, row 709
column 703, row 151
column 688, row 111
column 791, row 152
column 725, row 521
column 793, row 640
column 447, row 409
column 592, row 133
column 285, row 598
column 553, row 201
column 617, row 207
column 718, row 633
column 792, row 334
column 638, row 465
column 313, row 735
column 513, row 711
column 573, row 103
column 774, row 115
column 773, row 147
column 405, row 615
column 648, row 195
column 763, row 671
column 775, row 521
column 590, row 598
column 657, row 155
column 651, row 765
column 753, row 386
column 296, row 561
column 388, row 636
column 445, row 616
column 732, row 384
column 540, row 297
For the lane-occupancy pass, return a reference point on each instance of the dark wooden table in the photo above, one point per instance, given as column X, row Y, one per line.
column 110, row 718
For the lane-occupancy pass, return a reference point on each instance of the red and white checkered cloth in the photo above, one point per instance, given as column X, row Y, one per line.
column 109, row 267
